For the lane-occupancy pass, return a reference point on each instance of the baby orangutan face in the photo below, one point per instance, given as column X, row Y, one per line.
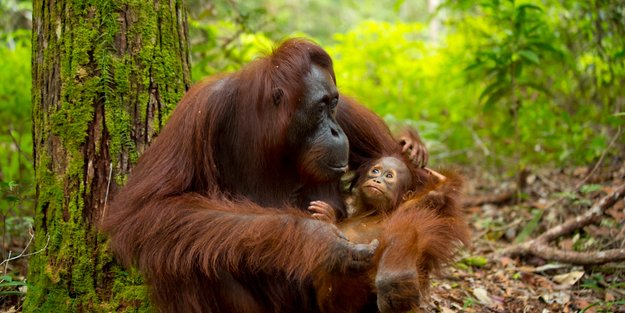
column 384, row 184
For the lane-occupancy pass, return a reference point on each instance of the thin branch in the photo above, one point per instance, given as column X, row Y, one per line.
column 17, row 146
column 108, row 187
column 595, row 212
column 479, row 142
column 22, row 254
column 583, row 181
column 6, row 265
column 539, row 246
column 603, row 154
column 499, row 198
column 580, row 258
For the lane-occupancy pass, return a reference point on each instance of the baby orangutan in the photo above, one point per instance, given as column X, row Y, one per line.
column 378, row 191
column 414, row 213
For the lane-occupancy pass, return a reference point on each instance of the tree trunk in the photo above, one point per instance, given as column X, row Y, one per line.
column 106, row 75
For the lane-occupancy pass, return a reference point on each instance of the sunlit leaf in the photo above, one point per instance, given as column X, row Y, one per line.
column 490, row 89
column 477, row 261
column 545, row 46
column 518, row 69
column 397, row 5
column 536, row 87
column 529, row 6
column 474, row 65
column 590, row 188
column 529, row 227
column 530, row 56
column 496, row 96
column 6, row 278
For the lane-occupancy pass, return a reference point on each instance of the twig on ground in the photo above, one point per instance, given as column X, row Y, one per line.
column 499, row 198
column 479, row 142
column 539, row 246
column 585, row 179
column 594, row 169
column 22, row 254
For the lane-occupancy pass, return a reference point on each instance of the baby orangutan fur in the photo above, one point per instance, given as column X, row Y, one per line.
column 418, row 236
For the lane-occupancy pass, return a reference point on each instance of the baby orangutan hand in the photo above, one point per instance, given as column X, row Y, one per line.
column 322, row 211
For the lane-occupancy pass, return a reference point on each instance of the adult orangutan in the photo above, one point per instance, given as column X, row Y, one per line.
column 214, row 213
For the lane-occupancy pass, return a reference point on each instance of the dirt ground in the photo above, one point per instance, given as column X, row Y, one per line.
column 484, row 280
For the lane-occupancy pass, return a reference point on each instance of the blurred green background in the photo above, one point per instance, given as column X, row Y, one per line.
column 496, row 86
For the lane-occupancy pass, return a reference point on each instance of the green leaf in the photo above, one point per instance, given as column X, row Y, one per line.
column 397, row 5
column 474, row 65
column 13, row 284
column 590, row 188
column 518, row 69
column 496, row 96
column 536, row 87
column 530, row 227
column 11, row 293
column 477, row 261
column 11, row 198
column 529, row 6
column 6, row 278
column 530, row 56
column 491, row 88
column 566, row 195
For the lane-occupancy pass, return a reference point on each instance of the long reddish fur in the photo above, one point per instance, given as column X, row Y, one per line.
column 209, row 214
column 417, row 238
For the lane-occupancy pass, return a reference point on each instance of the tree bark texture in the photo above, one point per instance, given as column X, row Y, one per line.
column 106, row 75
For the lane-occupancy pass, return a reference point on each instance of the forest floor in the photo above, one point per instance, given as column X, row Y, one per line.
column 484, row 280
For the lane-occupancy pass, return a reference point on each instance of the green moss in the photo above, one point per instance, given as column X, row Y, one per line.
column 131, row 294
column 76, row 272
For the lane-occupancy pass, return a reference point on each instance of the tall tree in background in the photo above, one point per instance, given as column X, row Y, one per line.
column 106, row 75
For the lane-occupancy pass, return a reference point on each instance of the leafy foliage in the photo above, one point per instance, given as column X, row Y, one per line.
column 533, row 82
column 15, row 138
column 16, row 170
column 393, row 69
column 10, row 287
column 503, row 84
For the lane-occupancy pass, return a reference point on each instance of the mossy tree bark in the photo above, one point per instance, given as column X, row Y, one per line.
column 106, row 75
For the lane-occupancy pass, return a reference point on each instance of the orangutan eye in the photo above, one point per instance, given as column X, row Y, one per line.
column 389, row 175
column 375, row 171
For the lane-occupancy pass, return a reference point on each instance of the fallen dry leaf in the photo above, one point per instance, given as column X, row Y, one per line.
column 580, row 171
column 566, row 244
column 505, row 261
column 568, row 279
column 584, row 304
column 559, row 297
column 616, row 213
column 482, row 295
column 609, row 296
